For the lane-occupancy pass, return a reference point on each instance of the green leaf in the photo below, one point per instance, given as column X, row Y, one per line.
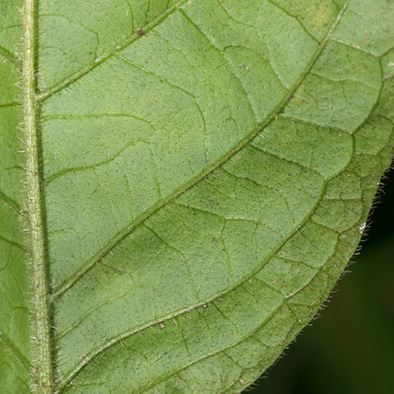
column 195, row 176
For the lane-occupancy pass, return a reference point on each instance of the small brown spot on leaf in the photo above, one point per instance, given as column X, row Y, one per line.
column 140, row 32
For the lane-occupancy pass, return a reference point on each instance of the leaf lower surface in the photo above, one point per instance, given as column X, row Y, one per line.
column 205, row 180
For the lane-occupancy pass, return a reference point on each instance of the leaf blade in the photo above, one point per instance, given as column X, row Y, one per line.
column 215, row 217
column 15, row 331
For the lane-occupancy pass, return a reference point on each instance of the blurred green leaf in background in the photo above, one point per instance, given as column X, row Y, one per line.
column 350, row 348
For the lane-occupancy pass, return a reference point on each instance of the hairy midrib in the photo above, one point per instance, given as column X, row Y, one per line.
column 42, row 372
column 228, row 155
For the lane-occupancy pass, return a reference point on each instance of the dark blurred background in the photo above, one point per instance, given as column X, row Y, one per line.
column 349, row 349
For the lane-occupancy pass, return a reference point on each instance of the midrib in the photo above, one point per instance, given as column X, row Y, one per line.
column 42, row 365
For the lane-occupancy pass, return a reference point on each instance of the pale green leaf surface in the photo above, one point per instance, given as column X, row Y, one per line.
column 15, row 335
column 204, row 183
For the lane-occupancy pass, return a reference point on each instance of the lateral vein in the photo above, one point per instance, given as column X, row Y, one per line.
column 15, row 351
column 4, row 53
column 133, row 225
column 101, row 59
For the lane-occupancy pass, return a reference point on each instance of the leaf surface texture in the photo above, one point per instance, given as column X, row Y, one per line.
column 207, row 168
